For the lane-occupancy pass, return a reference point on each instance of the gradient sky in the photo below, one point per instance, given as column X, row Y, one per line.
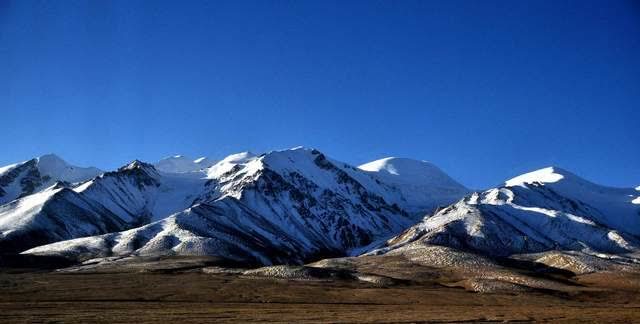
column 484, row 89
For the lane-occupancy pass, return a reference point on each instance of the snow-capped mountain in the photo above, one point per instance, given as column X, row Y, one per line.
column 548, row 209
column 25, row 178
column 139, row 194
column 54, row 214
column 219, row 169
column 297, row 205
column 421, row 186
column 182, row 164
column 131, row 196
column 280, row 207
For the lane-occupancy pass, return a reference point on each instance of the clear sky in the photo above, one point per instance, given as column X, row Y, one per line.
column 484, row 89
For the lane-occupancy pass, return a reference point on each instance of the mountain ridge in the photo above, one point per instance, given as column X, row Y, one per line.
column 544, row 210
column 291, row 206
column 326, row 207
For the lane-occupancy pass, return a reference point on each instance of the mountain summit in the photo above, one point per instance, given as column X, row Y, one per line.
column 297, row 205
column 283, row 206
column 544, row 210
column 26, row 178
column 422, row 185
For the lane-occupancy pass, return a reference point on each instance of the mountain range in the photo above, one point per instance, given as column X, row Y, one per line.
column 297, row 206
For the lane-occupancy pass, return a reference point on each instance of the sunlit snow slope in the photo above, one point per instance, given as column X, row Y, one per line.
column 548, row 209
column 419, row 185
column 25, row 178
column 283, row 206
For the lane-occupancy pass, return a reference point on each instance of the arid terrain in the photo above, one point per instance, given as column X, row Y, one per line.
column 196, row 290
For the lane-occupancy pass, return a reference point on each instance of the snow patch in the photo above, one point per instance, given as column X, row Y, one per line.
column 224, row 166
column 59, row 170
column 21, row 211
column 182, row 164
column 8, row 168
column 546, row 175
column 419, row 185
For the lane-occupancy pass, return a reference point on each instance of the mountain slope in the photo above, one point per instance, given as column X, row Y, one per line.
column 133, row 195
column 280, row 207
column 54, row 214
column 181, row 164
column 421, row 186
column 139, row 194
column 548, row 209
column 22, row 179
column 226, row 229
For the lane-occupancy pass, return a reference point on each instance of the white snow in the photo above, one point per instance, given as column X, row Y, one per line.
column 182, row 164
column 420, row 185
column 8, row 167
column 124, row 197
column 202, row 212
column 59, row 170
column 13, row 190
column 547, row 209
column 224, row 166
column 21, row 211
column 408, row 170
column 51, row 169
column 204, row 161
column 336, row 192
column 176, row 193
column 613, row 205
column 546, row 175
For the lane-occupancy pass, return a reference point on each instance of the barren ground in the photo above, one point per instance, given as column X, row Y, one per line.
column 187, row 295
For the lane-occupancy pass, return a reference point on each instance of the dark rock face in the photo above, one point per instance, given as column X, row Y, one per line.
column 322, row 215
column 265, row 214
column 64, row 216
column 67, row 214
column 31, row 178
column 289, row 207
column 143, row 174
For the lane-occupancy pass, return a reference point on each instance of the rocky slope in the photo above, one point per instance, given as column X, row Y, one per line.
column 281, row 207
column 545, row 210
column 297, row 205
column 420, row 185
column 26, row 178
column 131, row 196
column 54, row 214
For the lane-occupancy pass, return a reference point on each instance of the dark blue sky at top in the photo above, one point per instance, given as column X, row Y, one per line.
column 484, row 89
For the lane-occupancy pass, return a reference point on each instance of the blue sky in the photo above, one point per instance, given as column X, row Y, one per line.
column 484, row 89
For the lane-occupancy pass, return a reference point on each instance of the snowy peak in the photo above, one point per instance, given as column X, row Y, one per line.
column 182, row 164
column 396, row 166
column 546, row 175
column 409, row 171
column 421, row 185
column 567, row 183
column 284, row 206
column 22, row 179
column 204, row 162
column 52, row 162
column 53, row 166
column 239, row 157
column 544, row 210
column 176, row 164
column 228, row 163
column 138, row 165
column 143, row 174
